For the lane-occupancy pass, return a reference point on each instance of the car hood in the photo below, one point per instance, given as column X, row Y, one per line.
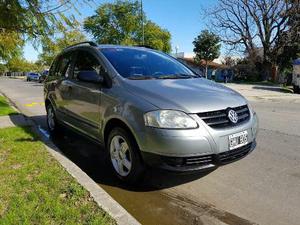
column 189, row 95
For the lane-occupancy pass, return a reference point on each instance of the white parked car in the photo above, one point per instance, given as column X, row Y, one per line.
column 296, row 76
column 33, row 76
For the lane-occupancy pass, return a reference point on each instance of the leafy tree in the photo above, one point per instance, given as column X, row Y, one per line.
column 35, row 17
column 21, row 20
column 19, row 64
column 3, row 68
column 121, row 23
column 157, row 37
column 207, row 47
column 10, row 45
column 52, row 47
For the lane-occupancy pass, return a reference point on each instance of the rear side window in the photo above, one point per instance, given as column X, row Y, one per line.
column 63, row 65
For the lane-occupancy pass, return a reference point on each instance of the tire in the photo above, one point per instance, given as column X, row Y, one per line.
column 124, row 156
column 52, row 124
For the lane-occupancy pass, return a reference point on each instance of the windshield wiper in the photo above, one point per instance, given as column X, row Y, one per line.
column 140, row 78
column 176, row 76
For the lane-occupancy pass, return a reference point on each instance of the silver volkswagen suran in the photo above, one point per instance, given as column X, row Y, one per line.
column 147, row 108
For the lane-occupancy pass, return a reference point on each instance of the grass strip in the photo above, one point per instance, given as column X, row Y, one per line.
column 36, row 189
column 5, row 108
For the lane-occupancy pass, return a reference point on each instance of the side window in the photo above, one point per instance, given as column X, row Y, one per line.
column 63, row 65
column 86, row 62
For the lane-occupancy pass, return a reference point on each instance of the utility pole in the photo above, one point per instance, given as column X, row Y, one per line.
column 143, row 28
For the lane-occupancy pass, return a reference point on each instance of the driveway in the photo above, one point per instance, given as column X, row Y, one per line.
column 262, row 188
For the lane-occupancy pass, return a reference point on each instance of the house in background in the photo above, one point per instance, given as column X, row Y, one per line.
column 216, row 71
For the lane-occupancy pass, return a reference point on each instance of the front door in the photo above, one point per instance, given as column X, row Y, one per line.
column 84, row 107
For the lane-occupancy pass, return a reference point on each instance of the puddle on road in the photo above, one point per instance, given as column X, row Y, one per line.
column 147, row 203
column 151, row 207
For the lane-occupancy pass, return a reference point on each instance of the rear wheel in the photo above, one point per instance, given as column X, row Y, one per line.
column 124, row 156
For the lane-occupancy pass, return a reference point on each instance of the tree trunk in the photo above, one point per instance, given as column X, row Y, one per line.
column 206, row 69
column 266, row 71
column 274, row 72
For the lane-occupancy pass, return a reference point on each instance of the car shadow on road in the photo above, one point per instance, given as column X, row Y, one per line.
column 92, row 159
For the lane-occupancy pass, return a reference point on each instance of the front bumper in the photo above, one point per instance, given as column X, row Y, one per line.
column 197, row 163
column 204, row 148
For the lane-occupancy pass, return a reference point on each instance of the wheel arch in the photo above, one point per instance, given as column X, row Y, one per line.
column 116, row 122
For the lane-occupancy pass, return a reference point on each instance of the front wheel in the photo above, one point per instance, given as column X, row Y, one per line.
column 124, row 156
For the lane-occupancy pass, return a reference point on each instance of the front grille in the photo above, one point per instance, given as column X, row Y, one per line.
column 199, row 160
column 232, row 155
column 219, row 119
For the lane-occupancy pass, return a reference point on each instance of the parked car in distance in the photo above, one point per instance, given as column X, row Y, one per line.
column 296, row 76
column 31, row 76
column 43, row 76
column 147, row 109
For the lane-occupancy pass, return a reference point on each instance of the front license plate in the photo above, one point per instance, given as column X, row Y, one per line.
column 238, row 140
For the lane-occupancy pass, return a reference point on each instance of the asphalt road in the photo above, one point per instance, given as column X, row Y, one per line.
column 263, row 188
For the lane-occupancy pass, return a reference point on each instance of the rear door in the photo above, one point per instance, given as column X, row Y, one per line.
column 84, row 105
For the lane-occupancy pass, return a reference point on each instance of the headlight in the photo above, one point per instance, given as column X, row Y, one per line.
column 169, row 119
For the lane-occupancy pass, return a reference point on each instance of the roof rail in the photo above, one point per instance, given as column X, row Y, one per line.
column 91, row 43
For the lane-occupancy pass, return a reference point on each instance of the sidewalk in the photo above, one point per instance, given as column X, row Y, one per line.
column 256, row 92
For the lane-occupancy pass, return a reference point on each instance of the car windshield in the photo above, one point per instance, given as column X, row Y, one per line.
column 139, row 64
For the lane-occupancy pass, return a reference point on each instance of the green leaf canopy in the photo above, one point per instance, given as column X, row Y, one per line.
column 121, row 23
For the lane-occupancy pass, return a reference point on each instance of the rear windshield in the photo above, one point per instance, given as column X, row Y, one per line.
column 135, row 63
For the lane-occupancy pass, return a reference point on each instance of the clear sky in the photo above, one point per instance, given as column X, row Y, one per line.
column 181, row 17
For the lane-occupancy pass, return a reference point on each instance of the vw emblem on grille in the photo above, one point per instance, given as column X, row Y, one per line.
column 233, row 116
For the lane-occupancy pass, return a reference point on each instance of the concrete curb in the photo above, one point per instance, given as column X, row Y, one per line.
column 100, row 196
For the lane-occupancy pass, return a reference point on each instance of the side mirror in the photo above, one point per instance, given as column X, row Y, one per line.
column 90, row 76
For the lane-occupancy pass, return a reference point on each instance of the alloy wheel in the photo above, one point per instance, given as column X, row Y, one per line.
column 120, row 155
